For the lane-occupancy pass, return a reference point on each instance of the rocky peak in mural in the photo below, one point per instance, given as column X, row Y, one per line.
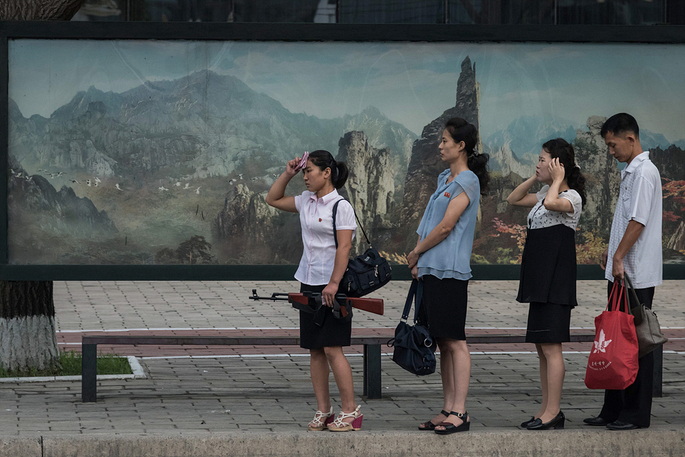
column 425, row 164
column 175, row 170
column 507, row 162
column 370, row 187
column 523, row 137
column 602, row 178
column 57, row 222
column 244, row 228
column 198, row 126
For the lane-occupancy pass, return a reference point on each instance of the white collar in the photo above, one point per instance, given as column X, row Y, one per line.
column 636, row 162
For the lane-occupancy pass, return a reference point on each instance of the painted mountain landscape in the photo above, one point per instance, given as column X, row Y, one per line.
column 174, row 167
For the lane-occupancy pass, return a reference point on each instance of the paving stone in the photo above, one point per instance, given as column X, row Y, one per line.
column 273, row 393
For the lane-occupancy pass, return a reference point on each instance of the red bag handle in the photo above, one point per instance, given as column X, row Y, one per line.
column 616, row 299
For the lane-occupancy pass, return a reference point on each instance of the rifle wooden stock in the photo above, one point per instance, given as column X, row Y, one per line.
column 372, row 305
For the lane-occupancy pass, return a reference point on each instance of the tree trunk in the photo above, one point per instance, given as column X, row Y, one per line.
column 27, row 326
column 39, row 10
column 27, row 309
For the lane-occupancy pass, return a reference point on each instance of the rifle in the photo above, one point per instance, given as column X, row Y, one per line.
column 372, row 305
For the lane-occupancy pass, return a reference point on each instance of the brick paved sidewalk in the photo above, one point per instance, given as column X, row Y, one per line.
column 214, row 395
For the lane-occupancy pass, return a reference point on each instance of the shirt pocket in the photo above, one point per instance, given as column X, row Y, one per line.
column 626, row 206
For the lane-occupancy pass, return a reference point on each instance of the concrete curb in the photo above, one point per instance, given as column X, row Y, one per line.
column 136, row 367
column 494, row 443
column 20, row 447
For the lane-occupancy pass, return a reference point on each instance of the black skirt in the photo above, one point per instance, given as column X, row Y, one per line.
column 548, row 267
column 548, row 323
column 332, row 333
column 443, row 310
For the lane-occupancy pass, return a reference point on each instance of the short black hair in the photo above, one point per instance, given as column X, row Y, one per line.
column 620, row 123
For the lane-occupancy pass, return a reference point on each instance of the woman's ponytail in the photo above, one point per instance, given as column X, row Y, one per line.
column 324, row 159
column 341, row 175
column 478, row 163
column 576, row 181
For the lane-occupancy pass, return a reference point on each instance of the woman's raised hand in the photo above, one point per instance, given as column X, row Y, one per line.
column 291, row 166
column 556, row 170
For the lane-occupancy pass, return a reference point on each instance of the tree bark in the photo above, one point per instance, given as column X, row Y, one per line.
column 27, row 310
column 39, row 10
column 27, row 326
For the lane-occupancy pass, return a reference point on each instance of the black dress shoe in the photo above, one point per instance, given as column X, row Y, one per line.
column 598, row 421
column 528, row 422
column 557, row 423
column 618, row 425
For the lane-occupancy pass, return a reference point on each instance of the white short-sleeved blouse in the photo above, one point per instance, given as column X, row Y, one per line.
column 316, row 221
column 541, row 217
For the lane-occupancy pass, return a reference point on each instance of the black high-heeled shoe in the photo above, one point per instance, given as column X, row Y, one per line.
column 557, row 423
column 430, row 426
column 451, row 428
column 528, row 422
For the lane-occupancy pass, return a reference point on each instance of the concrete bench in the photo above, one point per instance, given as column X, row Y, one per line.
column 372, row 353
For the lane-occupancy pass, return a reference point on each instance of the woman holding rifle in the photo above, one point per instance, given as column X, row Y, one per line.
column 321, row 269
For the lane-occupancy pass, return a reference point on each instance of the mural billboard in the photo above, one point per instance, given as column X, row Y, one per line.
column 141, row 152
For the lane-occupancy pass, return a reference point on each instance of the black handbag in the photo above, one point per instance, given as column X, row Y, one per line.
column 365, row 273
column 413, row 345
column 647, row 328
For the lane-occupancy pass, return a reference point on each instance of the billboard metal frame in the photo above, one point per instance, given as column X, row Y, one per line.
column 283, row 32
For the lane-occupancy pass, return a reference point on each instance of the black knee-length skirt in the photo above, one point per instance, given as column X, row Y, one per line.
column 443, row 310
column 548, row 266
column 548, row 323
column 548, row 283
column 331, row 333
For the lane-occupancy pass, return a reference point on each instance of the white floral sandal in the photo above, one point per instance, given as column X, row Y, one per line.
column 339, row 424
column 321, row 420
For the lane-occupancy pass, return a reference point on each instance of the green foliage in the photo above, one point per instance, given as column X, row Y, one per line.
column 70, row 365
column 505, row 256
column 478, row 259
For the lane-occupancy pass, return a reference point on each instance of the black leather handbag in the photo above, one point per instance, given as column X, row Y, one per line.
column 366, row 272
column 413, row 345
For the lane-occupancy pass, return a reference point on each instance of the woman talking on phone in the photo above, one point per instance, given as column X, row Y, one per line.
column 321, row 269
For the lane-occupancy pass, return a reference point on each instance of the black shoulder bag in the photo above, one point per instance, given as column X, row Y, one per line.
column 365, row 273
column 413, row 345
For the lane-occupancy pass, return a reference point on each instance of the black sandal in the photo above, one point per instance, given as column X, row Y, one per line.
column 430, row 426
column 451, row 428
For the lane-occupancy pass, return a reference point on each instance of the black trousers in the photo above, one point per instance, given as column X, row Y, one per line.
column 633, row 405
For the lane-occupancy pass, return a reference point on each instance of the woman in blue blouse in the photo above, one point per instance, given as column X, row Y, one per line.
column 441, row 259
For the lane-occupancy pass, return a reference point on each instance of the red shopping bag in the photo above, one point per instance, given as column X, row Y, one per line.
column 613, row 359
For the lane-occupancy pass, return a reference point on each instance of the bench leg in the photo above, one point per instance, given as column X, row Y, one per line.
column 372, row 371
column 89, row 371
column 658, row 372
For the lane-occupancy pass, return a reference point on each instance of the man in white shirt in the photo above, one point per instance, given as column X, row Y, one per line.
column 635, row 249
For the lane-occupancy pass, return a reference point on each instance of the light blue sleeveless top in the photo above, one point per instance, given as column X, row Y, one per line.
column 451, row 258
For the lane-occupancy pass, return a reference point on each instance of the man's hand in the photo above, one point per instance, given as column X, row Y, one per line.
column 617, row 268
column 603, row 260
